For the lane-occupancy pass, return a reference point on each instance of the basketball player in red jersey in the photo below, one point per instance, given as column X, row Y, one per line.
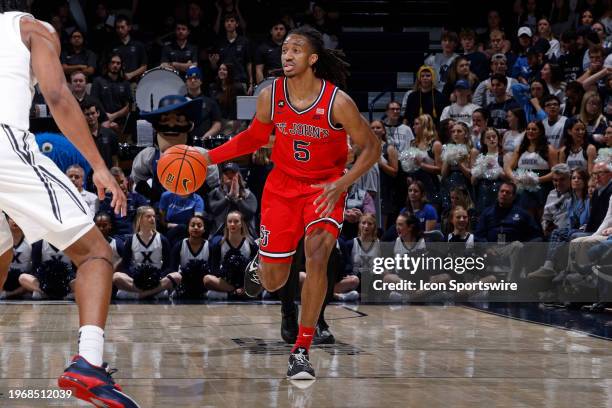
column 305, row 192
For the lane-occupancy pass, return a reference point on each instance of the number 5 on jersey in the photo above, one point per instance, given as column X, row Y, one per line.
column 300, row 150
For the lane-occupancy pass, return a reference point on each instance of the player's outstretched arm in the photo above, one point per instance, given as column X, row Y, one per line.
column 345, row 112
column 45, row 50
column 255, row 136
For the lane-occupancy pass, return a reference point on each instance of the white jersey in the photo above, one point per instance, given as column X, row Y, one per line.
column 16, row 78
column 35, row 193
column 401, row 248
column 244, row 248
column 532, row 161
column 512, row 140
column 187, row 254
column 22, row 256
column 554, row 132
column 48, row 252
column 576, row 160
column 363, row 255
column 150, row 252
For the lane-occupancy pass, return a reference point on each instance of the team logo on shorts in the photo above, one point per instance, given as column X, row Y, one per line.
column 281, row 104
column 264, row 234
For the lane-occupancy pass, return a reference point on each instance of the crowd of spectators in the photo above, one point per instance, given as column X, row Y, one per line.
column 504, row 139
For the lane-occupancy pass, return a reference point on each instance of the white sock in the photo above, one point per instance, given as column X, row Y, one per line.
column 91, row 344
column 549, row 264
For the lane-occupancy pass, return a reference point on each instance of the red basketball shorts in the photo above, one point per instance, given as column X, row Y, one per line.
column 288, row 211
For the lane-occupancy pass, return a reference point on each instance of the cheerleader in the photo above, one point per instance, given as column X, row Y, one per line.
column 514, row 136
column 53, row 273
column 409, row 241
column 534, row 154
column 577, row 152
column 21, row 263
column 190, row 260
column 426, row 140
column 487, row 169
column 358, row 254
column 456, row 173
column 145, row 260
column 389, row 167
column 229, row 258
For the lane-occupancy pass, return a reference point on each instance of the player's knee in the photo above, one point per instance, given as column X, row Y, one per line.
column 353, row 280
column 208, row 280
column 274, row 276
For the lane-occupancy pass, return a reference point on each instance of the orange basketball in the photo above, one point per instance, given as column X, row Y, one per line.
column 181, row 169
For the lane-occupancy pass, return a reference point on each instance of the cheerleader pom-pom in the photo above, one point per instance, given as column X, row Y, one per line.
column 54, row 277
column 487, row 167
column 604, row 155
column 146, row 276
column 453, row 154
column 192, row 279
column 527, row 180
column 409, row 159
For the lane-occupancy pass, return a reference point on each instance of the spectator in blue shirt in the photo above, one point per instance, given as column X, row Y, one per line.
column 176, row 211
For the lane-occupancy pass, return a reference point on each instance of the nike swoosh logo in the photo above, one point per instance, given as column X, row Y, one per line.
column 185, row 182
column 307, row 335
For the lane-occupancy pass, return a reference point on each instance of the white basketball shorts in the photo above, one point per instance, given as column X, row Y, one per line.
column 37, row 195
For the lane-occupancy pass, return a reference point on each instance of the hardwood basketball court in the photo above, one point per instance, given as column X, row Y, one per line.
column 231, row 355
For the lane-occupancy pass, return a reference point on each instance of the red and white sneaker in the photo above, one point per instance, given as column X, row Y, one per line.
column 94, row 384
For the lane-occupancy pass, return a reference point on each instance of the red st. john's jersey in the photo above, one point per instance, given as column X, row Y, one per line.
column 307, row 144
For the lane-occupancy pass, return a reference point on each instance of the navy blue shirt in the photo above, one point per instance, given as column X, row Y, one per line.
column 123, row 225
column 515, row 223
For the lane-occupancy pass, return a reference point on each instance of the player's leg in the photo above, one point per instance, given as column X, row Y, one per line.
column 280, row 230
column 320, row 240
column 46, row 205
column 318, row 245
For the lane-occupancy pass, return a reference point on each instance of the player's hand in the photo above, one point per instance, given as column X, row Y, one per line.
column 104, row 181
column 326, row 201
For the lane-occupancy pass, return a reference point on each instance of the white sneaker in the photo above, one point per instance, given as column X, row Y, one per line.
column 216, row 295
column 398, row 296
column 265, row 295
column 162, row 295
column 351, row 296
column 38, row 296
column 69, row 296
column 126, row 295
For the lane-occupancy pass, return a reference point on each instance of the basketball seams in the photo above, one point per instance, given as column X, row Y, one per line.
column 194, row 165
column 178, row 175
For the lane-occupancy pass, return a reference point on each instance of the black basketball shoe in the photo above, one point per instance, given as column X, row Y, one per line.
column 322, row 334
column 299, row 366
column 252, row 284
column 289, row 325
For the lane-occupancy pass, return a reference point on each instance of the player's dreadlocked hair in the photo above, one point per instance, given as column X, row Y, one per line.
column 330, row 65
column 13, row 5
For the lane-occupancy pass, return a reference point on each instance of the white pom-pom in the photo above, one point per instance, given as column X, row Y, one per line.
column 487, row 167
column 409, row 159
column 527, row 180
column 453, row 154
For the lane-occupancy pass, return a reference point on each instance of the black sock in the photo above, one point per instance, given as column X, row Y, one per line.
column 288, row 293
